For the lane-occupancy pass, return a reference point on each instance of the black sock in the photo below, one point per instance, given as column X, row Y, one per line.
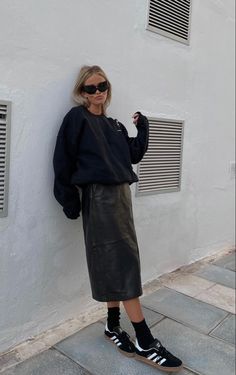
column 143, row 334
column 113, row 317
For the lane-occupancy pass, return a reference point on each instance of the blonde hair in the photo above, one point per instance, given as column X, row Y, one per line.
column 85, row 72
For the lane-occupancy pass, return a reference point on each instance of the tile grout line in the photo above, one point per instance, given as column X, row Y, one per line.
column 191, row 326
column 195, row 298
column 219, row 267
column 195, row 372
column 71, row 359
column 214, row 284
column 185, row 323
column 199, row 300
column 221, row 322
column 196, row 329
column 223, row 341
column 216, row 306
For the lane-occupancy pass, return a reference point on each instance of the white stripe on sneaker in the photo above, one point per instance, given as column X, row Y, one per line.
column 162, row 361
column 152, row 355
column 157, row 358
column 113, row 337
column 116, row 340
column 119, row 344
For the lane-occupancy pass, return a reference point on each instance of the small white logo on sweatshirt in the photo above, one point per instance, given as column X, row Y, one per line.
column 118, row 126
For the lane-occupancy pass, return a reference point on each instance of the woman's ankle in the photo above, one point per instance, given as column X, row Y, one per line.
column 143, row 334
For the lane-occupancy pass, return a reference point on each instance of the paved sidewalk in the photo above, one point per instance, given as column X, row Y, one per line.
column 191, row 312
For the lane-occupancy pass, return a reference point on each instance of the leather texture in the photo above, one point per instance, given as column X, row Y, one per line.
column 111, row 244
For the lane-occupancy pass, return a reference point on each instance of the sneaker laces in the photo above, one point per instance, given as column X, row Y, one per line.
column 125, row 337
column 161, row 349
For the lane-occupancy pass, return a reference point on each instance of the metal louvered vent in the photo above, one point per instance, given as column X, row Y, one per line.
column 5, row 107
column 170, row 18
column 160, row 169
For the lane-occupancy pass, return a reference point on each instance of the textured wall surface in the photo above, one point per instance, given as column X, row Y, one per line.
column 43, row 274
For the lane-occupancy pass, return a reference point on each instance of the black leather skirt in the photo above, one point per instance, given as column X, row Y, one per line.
column 111, row 244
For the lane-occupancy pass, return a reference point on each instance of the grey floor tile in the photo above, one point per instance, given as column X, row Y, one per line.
column 49, row 362
column 230, row 265
column 150, row 316
column 220, row 296
column 89, row 348
column 184, row 309
column 191, row 285
column 226, row 330
column 217, row 274
column 201, row 353
column 227, row 261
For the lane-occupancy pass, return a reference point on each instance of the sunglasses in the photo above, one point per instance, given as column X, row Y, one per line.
column 91, row 89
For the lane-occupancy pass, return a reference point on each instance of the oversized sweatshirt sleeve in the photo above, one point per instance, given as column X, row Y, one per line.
column 138, row 145
column 64, row 164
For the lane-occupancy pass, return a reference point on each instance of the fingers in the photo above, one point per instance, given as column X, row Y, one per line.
column 137, row 114
column 135, row 117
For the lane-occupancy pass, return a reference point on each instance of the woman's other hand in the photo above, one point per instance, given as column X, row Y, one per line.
column 135, row 117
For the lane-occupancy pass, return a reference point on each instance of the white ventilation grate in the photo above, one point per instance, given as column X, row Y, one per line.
column 4, row 155
column 170, row 18
column 160, row 169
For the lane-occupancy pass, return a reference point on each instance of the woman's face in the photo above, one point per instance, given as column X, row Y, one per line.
column 98, row 98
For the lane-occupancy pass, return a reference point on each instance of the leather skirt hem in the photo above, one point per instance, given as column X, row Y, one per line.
column 116, row 297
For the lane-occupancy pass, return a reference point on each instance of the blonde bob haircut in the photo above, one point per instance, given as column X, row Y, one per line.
column 85, row 72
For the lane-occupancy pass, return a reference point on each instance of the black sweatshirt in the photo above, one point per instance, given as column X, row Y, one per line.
column 94, row 149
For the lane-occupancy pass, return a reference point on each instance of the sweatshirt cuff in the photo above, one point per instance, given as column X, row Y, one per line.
column 72, row 211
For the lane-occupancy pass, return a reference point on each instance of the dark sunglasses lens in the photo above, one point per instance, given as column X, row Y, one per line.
column 90, row 89
column 103, row 86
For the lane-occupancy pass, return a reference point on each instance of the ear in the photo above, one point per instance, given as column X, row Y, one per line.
column 84, row 94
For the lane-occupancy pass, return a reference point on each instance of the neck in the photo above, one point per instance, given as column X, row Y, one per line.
column 95, row 109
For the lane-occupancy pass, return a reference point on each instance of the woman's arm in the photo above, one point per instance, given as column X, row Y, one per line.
column 138, row 145
column 64, row 164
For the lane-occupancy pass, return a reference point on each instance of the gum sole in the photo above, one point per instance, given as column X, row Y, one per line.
column 151, row 363
column 130, row 355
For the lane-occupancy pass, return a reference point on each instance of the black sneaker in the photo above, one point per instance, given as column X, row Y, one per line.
column 158, row 356
column 122, row 339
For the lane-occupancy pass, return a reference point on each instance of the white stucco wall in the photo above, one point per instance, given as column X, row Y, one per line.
column 43, row 271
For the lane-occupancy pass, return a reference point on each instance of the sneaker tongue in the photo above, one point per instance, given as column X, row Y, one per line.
column 155, row 343
column 118, row 329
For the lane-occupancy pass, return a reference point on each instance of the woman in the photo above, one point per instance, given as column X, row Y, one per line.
column 93, row 156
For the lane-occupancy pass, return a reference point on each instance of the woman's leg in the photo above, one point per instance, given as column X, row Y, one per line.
column 113, row 304
column 113, row 314
column 133, row 309
column 145, row 341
